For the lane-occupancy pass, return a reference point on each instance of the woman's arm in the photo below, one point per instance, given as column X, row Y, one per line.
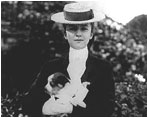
column 34, row 100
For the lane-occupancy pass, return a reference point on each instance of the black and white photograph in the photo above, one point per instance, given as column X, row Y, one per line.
column 74, row 58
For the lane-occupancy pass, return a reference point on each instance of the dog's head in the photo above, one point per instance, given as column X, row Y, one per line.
column 56, row 82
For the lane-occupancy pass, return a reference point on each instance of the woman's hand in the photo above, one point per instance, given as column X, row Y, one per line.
column 54, row 108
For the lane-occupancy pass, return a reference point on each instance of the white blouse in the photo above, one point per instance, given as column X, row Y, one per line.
column 77, row 64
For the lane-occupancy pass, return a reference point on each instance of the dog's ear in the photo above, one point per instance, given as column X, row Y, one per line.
column 60, row 78
column 59, row 74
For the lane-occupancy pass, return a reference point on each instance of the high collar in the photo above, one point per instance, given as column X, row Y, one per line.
column 65, row 58
column 78, row 55
column 80, row 51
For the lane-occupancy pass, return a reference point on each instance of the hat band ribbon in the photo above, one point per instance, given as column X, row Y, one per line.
column 78, row 16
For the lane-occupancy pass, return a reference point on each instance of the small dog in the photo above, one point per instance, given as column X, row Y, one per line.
column 53, row 106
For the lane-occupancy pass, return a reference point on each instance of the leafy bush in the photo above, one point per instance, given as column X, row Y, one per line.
column 11, row 105
column 131, row 98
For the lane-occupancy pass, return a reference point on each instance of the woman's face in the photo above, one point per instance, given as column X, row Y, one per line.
column 78, row 35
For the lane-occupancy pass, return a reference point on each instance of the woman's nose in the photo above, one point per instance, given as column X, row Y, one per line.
column 78, row 33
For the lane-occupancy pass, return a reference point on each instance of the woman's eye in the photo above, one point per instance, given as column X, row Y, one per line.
column 84, row 29
column 72, row 29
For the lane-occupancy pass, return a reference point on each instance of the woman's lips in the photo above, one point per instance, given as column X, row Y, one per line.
column 78, row 40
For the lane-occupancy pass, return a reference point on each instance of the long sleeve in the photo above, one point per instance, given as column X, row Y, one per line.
column 34, row 100
column 36, row 97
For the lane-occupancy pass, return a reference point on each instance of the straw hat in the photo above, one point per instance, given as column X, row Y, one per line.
column 77, row 13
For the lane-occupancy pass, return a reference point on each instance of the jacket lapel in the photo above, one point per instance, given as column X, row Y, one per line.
column 65, row 63
column 85, row 76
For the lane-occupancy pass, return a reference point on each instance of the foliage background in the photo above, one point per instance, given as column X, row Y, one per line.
column 29, row 38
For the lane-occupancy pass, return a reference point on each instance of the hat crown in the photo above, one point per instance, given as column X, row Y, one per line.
column 77, row 13
column 76, row 7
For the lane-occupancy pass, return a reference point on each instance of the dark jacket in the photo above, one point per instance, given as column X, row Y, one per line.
column 99, row 100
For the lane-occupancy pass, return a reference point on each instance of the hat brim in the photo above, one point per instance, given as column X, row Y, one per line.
column 59, row 18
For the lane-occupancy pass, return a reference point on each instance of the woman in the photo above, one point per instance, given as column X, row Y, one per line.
column 80, row 66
